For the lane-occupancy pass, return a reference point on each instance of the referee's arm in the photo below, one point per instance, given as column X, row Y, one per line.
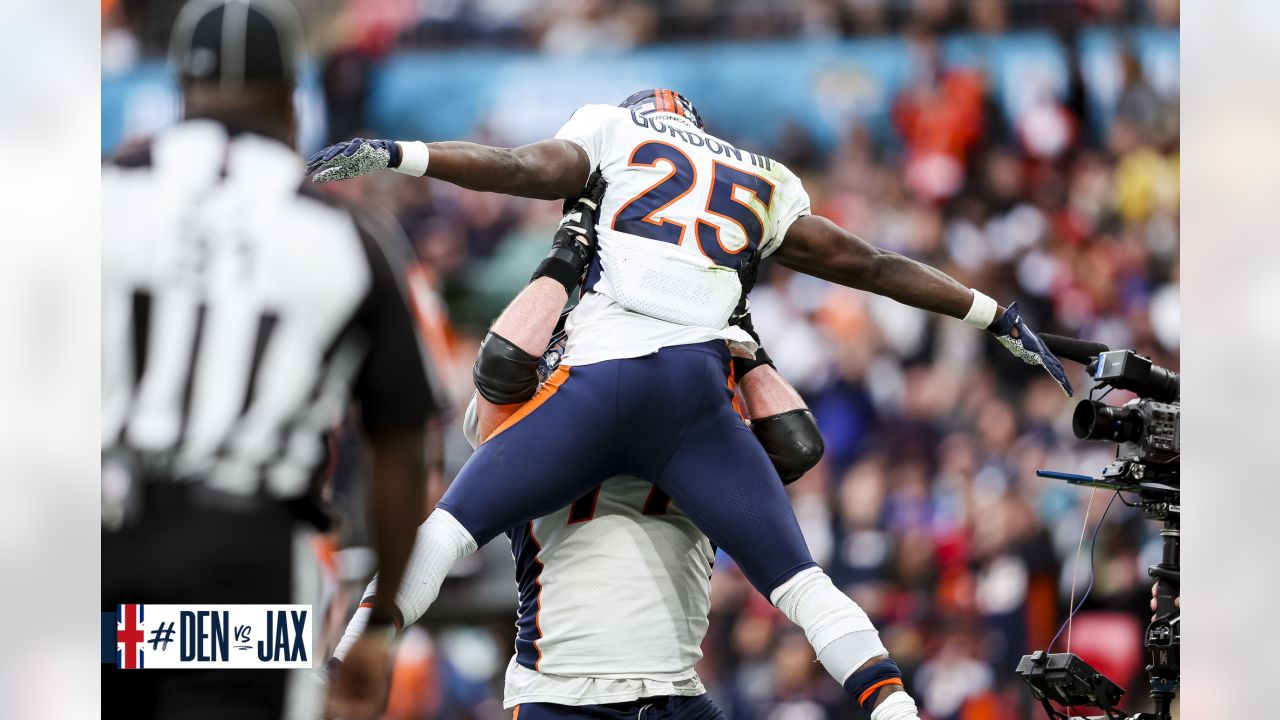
column 398, row 407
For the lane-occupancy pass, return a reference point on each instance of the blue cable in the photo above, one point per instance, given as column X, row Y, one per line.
column 1093, row 546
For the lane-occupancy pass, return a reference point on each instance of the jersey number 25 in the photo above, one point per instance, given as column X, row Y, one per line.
column 636, row 216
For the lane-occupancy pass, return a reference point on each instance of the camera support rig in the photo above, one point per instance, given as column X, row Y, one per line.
column 1146, row 465
column 1068, row 680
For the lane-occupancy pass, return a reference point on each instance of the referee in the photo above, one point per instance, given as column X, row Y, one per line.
column 241, row 316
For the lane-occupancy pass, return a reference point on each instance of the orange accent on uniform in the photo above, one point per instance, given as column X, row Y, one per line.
column 395, row 621
column 733, row 392
column 867, row 693
column 678, row 107
column 515, row 713
column 544, row 393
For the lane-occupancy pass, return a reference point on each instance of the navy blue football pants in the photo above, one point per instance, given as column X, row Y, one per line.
column 670, row 707
column 666, row 417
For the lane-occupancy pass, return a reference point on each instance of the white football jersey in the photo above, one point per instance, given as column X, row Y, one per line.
column 682, row 211
column 614, row 595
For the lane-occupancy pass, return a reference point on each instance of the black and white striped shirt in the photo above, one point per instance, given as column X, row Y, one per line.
column 242, row 313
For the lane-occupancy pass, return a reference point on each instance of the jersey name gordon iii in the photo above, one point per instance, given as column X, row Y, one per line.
column 683, row 212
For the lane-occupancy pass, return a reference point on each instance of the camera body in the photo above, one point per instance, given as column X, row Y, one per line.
column 1146, row 429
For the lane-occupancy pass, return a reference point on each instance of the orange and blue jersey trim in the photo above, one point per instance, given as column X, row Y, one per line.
column 549, row 388
column 525, row 549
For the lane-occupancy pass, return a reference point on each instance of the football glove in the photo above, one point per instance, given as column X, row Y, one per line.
column 352, row 158
column 1013, row 333
column 574, row 243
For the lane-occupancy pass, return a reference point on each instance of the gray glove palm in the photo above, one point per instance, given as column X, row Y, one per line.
column 353, row 158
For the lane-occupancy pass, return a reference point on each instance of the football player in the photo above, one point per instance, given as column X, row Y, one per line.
column 640, row 391
column 615, row 588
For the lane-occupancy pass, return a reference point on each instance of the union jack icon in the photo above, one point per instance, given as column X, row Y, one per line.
column 129, row 637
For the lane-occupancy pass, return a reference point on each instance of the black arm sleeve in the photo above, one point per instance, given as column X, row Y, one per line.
column 396, row 387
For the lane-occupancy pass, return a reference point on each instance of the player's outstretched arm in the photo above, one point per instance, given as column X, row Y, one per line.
column 546, row 170
column 816, row 246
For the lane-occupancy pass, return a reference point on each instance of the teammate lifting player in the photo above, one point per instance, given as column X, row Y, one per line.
column 640, row 389
column 615, row 588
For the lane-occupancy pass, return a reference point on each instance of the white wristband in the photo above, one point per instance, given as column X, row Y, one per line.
column 982, row 312
column 414, row 156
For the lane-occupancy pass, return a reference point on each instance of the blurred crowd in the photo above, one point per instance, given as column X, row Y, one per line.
column 612, row 26
column 581, row 26
column 926, row 508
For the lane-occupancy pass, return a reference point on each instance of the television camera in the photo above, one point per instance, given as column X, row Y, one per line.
column 1146, row 431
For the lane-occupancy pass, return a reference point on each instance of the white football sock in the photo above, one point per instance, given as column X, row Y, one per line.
column 839, row 631
column 440, row 544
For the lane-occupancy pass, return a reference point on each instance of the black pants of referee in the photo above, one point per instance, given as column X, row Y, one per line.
column 192, row 546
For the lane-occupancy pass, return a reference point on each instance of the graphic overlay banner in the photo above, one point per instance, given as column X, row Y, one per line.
column 146, row 637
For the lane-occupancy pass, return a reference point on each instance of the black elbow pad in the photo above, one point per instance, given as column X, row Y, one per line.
column 792, row 442
column 504, row 374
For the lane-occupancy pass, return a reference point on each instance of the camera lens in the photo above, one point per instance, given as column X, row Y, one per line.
column 1093, row 420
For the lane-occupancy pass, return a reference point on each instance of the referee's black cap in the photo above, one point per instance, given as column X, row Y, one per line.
column 234, row 42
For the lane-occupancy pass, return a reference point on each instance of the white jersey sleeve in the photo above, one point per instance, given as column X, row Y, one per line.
column 471, row 423
column 586, row 129
column 791, row 204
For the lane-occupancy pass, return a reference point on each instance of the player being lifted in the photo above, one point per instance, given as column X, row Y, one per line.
column 615, row 588
column 641, row 387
